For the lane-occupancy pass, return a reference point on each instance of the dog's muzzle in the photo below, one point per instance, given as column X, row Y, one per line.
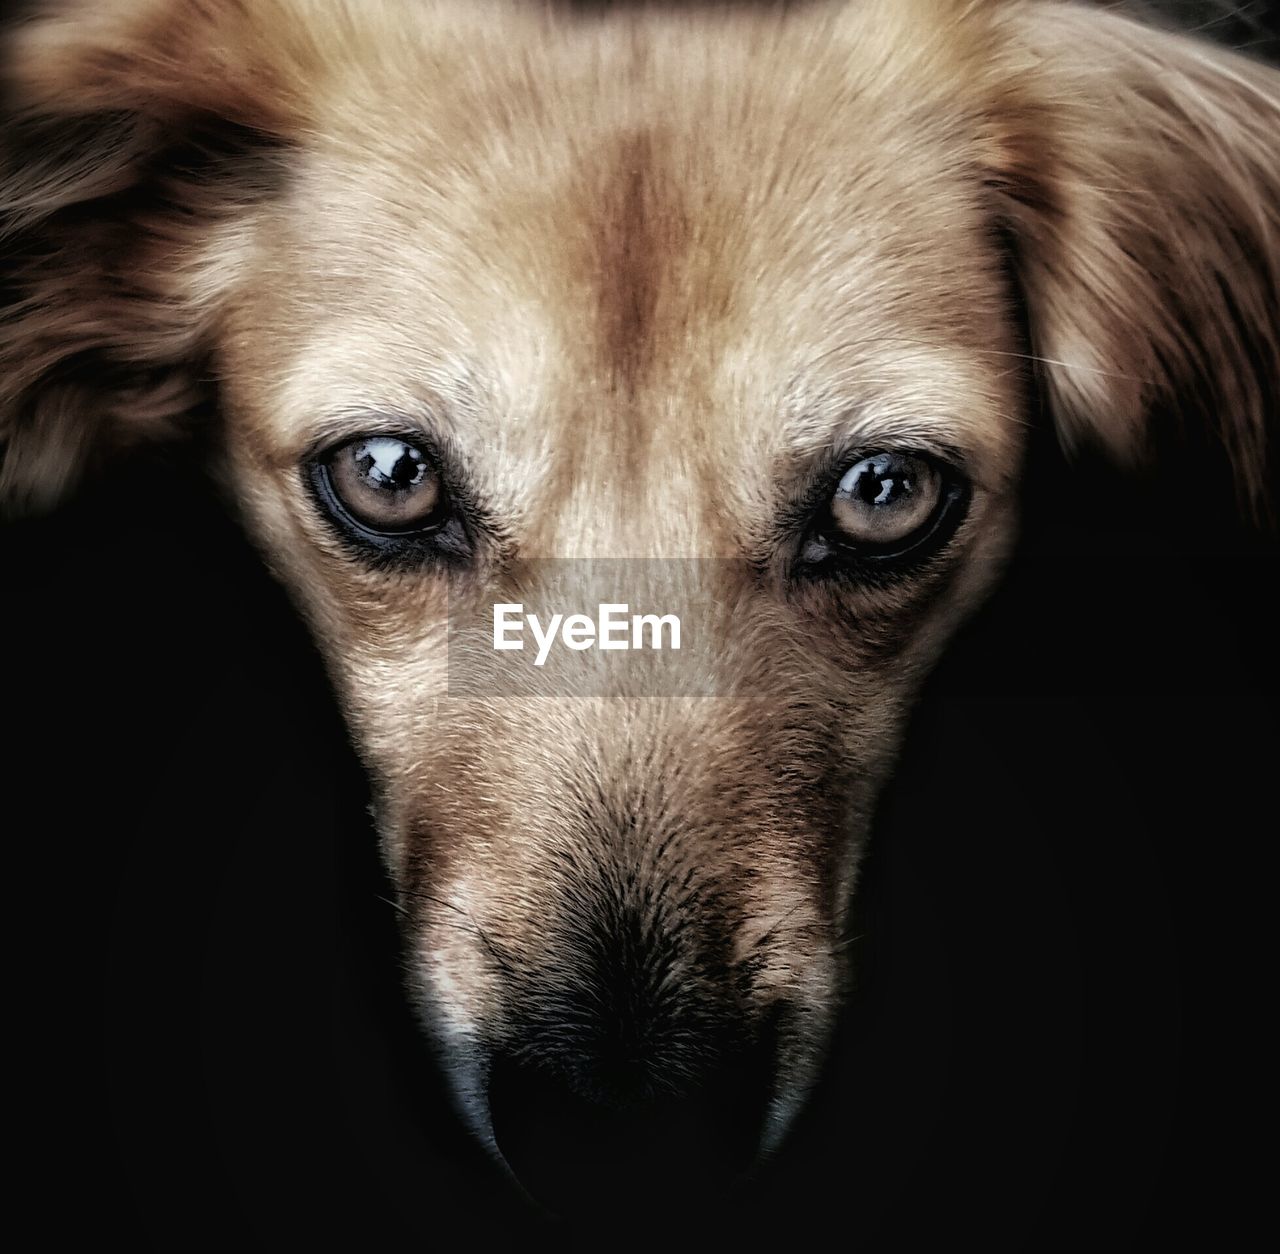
column 637, row 1065
column 583, row 1135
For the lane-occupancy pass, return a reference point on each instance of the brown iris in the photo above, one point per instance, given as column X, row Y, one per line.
column 884, row 499
column 385, row 483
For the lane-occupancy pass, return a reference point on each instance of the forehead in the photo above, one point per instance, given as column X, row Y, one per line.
column 656, row 243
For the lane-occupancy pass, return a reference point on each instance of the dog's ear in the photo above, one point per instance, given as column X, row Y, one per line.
column 249, row 61
column 134, row 132
column 1139, row 175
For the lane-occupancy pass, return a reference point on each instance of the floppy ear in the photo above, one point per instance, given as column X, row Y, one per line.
column 136, row 134
column 1140, row 177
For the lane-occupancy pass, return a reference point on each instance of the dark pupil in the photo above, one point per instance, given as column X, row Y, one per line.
column 399, row 475
column 880, row 485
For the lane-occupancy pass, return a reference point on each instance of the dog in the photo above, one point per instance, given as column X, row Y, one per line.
column 468, row 296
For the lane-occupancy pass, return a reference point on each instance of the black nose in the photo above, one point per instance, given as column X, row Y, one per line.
column 626, row 1140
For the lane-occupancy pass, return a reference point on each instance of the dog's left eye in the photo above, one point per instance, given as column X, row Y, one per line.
column 884, row 499
column 887, row 510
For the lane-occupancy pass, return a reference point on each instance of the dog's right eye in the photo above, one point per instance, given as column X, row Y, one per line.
column 386, row 494
column 385, row 483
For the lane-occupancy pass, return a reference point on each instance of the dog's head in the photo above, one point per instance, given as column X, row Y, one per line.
column 474, row 293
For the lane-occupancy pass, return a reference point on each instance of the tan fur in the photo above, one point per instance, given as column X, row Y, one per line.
column 639, row 272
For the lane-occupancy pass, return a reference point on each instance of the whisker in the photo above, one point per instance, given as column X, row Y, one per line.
column 1066, row 365
column 470, row 926
column 840, row 946
column 766, row 936
column 395, row 905
column 846, row 345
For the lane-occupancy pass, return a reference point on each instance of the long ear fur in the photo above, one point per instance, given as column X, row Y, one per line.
column 1140, row 172
column 132, row 131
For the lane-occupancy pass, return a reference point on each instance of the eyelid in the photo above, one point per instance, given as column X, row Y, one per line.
column 948, row 456
column 821, row 477
column 339, row 430
column 441, row 452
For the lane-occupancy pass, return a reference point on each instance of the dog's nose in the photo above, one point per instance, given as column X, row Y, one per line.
column 581, row 1149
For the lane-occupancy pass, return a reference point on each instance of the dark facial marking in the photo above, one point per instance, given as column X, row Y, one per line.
column 636, row 239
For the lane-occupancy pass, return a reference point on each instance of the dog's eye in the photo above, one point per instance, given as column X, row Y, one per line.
column 391, row 501
column 887, row 509
column 385, row 484
column 884, row 499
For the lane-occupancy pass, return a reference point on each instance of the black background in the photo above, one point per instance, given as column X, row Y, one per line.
column 1058, row 1035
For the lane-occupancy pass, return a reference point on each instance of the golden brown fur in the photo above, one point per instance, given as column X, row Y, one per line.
column 639, row 272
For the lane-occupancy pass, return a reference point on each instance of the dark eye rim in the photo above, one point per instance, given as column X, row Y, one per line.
column 443, row 533
column 825, row 551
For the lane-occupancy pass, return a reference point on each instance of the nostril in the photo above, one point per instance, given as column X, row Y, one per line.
column 580, row 1146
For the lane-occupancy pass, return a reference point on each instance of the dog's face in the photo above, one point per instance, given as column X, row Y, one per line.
column 596, row 353
column 738, row 294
